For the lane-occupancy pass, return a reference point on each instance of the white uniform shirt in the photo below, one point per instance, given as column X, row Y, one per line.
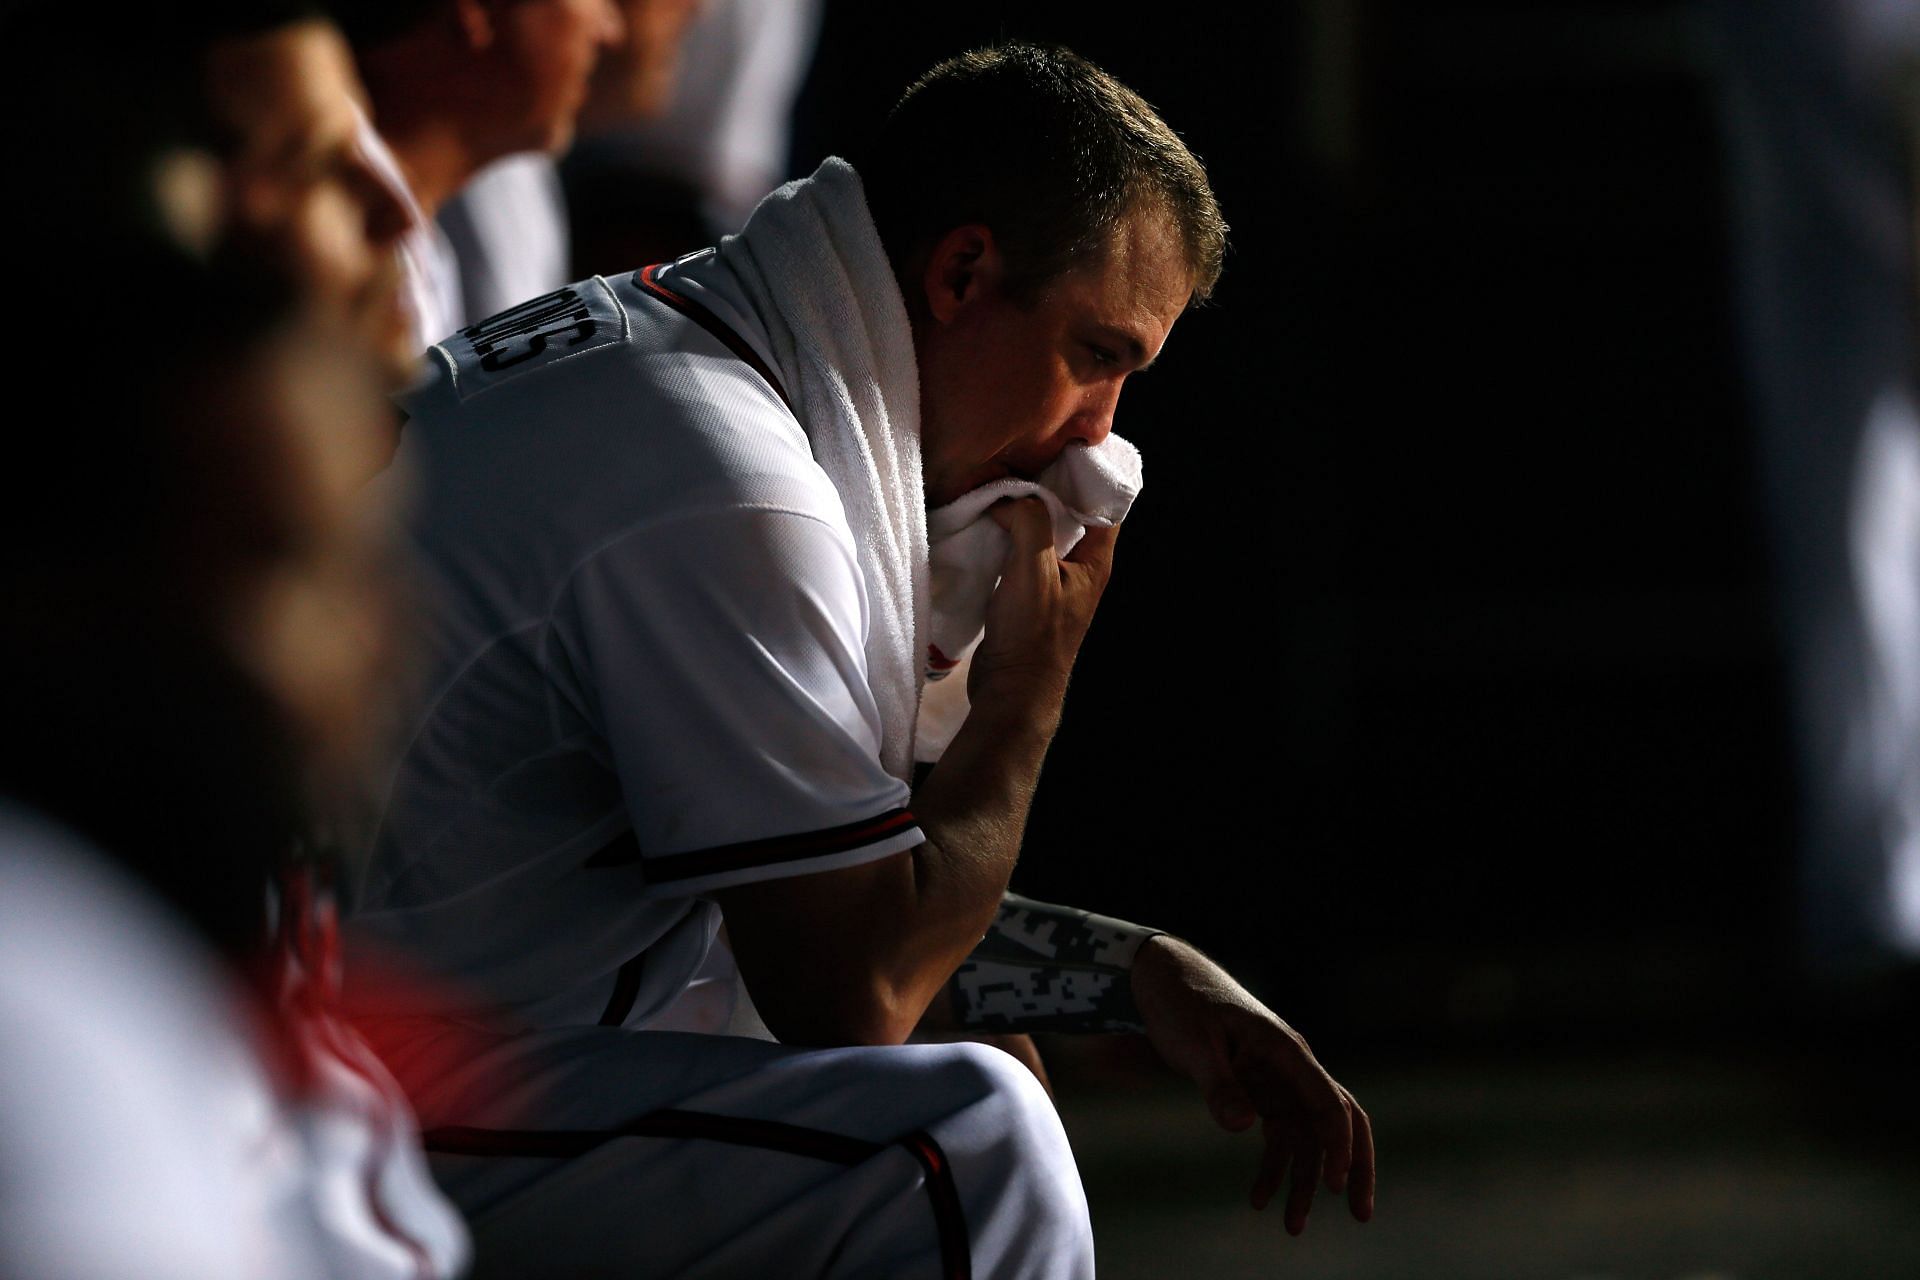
column 648, row 676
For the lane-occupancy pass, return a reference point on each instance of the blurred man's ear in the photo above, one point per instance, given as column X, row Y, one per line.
column 964, row 266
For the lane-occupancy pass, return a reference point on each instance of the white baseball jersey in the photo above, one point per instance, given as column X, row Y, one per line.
column 647, row 645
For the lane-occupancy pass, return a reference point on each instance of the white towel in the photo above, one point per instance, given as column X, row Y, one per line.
column 810, row 259
column 1084, row 487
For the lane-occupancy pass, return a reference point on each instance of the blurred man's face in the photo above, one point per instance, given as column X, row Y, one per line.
column 547, row 50
column 300, row 191
column 636, row 77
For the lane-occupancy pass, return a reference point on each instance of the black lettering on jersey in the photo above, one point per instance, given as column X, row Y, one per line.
column 520, row 333
column 566, row 323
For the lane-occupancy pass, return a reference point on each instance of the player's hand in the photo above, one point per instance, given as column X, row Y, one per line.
column 1252, row 1066
column 1040, row 612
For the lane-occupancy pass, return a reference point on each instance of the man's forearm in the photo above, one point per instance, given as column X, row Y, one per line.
column 883, row 938
column 973, row 808
column 890, row 933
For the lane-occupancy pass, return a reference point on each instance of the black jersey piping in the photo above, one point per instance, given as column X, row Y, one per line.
column 665, row 868
column 626, row 989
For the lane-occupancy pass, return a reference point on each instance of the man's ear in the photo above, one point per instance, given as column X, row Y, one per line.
column 476, row 23
column 963, row 267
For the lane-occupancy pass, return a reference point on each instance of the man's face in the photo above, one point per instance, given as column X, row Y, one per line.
column 1006, row 386
column 547, row 50
column 300, row 191
column 636, row 77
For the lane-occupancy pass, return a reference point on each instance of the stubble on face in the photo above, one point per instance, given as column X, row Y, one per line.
column 1012, row 383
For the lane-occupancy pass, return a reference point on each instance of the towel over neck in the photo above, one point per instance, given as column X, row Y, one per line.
column 811, row 261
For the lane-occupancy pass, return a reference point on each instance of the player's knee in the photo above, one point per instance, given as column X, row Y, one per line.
column 1008, row 1147
column 991, row 1079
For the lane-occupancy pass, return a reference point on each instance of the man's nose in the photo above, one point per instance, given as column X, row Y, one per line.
column 1094, row 422
column 386, row 215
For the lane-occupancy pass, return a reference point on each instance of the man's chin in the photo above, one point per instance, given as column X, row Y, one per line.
column 400, row 369
column 391, row 344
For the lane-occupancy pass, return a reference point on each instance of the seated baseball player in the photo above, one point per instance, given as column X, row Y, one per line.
column 683, row 533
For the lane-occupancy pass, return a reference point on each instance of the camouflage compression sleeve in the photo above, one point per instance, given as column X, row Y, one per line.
column 1048, row 968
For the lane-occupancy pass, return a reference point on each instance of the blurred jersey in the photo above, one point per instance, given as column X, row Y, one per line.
column 142, row 1132
column 508, row 229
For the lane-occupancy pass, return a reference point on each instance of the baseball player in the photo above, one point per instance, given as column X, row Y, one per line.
column 453, row 85
column 674, row 529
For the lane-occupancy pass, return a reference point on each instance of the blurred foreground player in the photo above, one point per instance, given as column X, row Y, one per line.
column 297, row 194
column 676, row 527
column 190, row 641
column 195, row 621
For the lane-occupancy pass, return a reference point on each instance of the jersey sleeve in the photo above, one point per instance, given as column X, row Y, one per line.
column 721, row 656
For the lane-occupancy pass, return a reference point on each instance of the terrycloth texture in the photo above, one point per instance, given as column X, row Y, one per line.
column 1084, row 487
column 812, row 263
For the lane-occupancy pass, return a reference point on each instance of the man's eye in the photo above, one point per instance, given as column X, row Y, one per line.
column 1102, row 355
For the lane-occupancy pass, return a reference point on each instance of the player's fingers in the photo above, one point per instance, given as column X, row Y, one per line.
column 1360, row 1185
column 1095, row 547
column 1306, row 1178
column 1027, row 522
column 1327, row 1106
column 1031, row 569
column 1289, row 1084
column 1336, row 1133
column 1275, row 1155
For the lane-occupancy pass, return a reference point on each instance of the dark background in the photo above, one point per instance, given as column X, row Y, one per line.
column 1437, row 690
